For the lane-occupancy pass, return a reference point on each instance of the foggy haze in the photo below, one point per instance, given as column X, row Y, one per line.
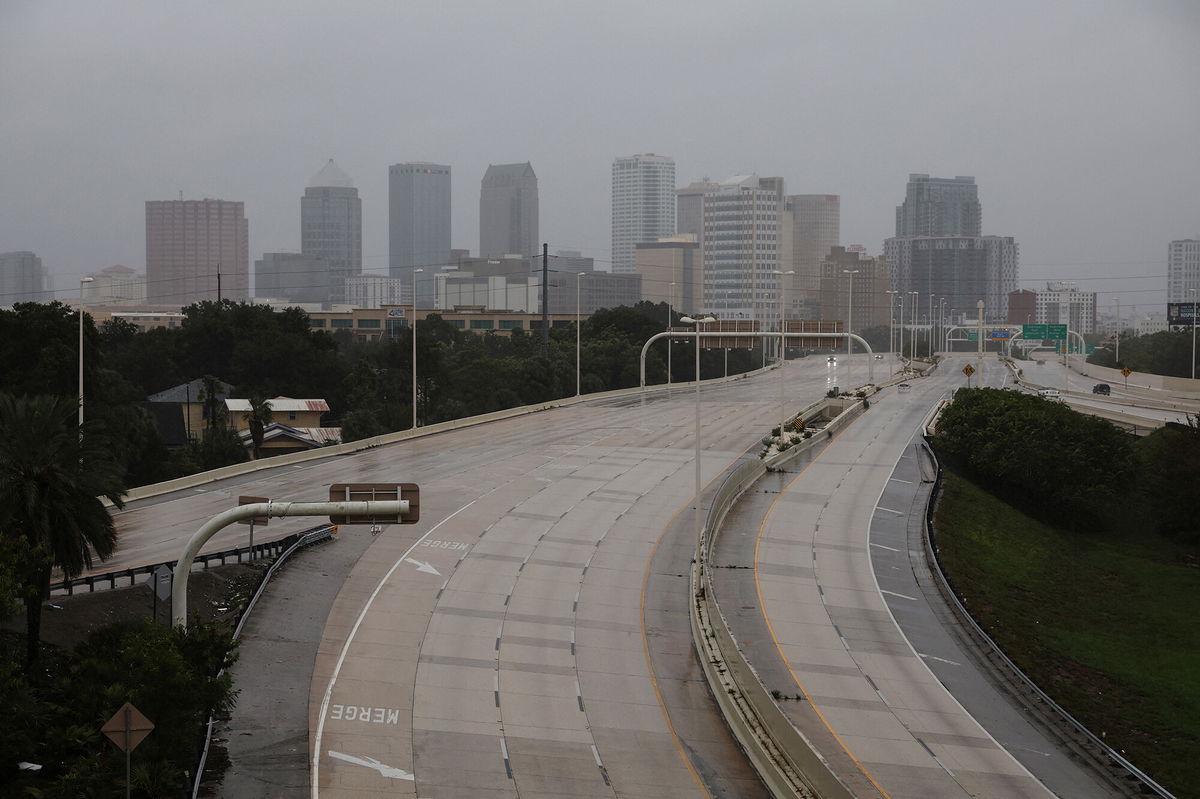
column 1079, row 119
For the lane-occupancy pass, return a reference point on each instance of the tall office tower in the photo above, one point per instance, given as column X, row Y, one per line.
column 741, row 248
column 1183, row 270
column 189, row 243
column 816, row 229
column 418, row 223
column 23, row 279
column 643, row 204
column 1063, row 303
column 689, row 208
column 940, row 207
column 508, row 211
column 963, row 269
column 331, row 229
column 850, row 276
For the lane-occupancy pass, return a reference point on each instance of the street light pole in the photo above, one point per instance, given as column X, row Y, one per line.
column 1193, row 293
column 697, row 322
column 782, row 347
column 578, row 337
column 912, row 355
column 81, row 282
column 670, row 338
column 413, row 308
column 892, row 321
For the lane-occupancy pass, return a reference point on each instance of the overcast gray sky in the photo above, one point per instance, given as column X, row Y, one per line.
column 1080, row 119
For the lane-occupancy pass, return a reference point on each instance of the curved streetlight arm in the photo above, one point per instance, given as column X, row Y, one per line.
column 755, row 334
column 222, row 520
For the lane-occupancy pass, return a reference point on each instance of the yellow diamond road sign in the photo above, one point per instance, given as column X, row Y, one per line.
column 127, row 728
column 968, row 370
column 1125, row 371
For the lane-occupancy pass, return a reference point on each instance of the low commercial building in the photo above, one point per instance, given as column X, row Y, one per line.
column 368, row 324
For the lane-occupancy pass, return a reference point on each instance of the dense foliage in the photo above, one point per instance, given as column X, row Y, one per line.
column 1039, row 454
column 259, row 353
column 54, row 714
column 1071, row 469
column 1168, row 353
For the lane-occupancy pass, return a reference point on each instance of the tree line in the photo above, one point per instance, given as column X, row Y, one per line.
column 1071, row 469
column 1167, row 353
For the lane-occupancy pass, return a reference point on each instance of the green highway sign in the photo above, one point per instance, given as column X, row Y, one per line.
column 1091, row 348
column 1040, row 332
column 972, row 335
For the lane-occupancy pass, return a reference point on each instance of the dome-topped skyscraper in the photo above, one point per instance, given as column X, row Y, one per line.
column 331, row 228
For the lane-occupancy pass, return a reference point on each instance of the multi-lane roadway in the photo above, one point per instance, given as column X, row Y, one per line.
column 529, row 636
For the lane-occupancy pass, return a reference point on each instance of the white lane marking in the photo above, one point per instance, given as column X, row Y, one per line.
column 902, row 596
column 889, row 510
column 422, row 566
column 596, row 754
column 938, row 659
column 881, row 546
column 316, row 785
column 370, row 762
column 898, row 480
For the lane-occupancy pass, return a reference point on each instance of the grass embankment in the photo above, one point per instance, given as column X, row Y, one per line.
column 1108, row 624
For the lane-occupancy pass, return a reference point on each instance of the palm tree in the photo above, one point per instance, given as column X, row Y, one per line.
column 258, row 418
column 52, row 478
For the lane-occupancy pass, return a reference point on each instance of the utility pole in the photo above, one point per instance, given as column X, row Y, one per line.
column 545, row 300
column 218, row 282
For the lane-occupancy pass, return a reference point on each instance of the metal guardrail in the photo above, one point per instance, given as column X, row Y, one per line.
column 297, row 541
column 781, row 755
column 947, row 590
column 140, row 574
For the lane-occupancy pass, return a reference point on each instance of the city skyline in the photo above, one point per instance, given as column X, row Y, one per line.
column 1062, row 136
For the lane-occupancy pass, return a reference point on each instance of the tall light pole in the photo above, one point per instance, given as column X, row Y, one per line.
column 900, row 349
column 913, row 344
column 670, row 338
column 578, row 337
column 697, row 322
column 892, row 321
column 1193, row 293
column 942, row 323
column 83, row 280
column 413, row 308
column 782, row 346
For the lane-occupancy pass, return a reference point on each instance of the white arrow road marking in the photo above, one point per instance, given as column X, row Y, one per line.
column 370, row 762
column 422, row 566
column 938, row 659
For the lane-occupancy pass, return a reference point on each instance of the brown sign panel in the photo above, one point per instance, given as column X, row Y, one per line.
column 127, row 728
column 379, row 492
column 811, row 326
column 731, row 342
column 262, row 520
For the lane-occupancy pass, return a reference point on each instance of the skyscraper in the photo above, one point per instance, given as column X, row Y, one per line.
column 939, row 249
column 643, row 204
column 741, row 248
column 940, row 207
column 23, row 279
column 816, row 229
column 418, row 222
column 331, row 229
column 196, row 250
column 508, row 211
column 1183, row 270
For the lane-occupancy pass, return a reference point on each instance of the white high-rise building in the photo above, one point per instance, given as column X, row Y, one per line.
column 1064, row 303
column 1183, row 270
column 745, row 231
column 643, row 204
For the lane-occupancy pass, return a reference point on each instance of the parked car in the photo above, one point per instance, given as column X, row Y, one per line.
column 1102, row 388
